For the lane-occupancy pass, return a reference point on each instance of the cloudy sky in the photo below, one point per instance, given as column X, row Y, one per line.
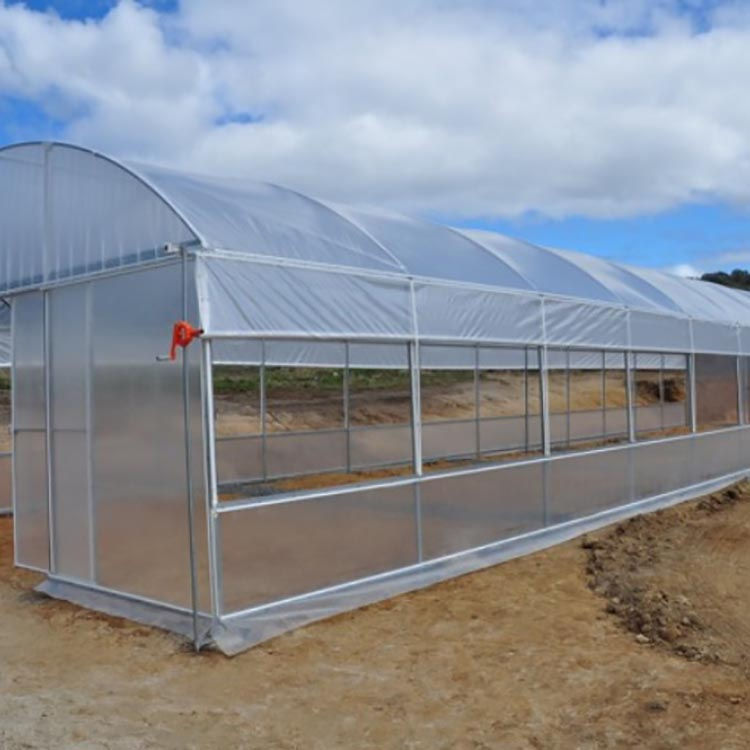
column 620, row 128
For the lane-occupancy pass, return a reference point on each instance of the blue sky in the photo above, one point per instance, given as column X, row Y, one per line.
column 704, row 236
column 82, row 9
column 612, row 128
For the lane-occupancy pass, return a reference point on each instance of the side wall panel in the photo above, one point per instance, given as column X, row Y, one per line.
column 142, row 543
column 30, row 449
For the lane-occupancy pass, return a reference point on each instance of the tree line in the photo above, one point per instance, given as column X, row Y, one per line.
column 737, row 279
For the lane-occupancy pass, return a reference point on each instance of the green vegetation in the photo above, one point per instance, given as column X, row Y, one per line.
column 737, row 279
column 229, row 379
column 4, row 379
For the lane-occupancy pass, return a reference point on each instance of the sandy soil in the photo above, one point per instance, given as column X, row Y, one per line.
column 635, row 637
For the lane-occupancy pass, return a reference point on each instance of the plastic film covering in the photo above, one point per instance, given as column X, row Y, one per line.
column 306, row 453
column 627, row 288
column 269, row 220
column 719, row 453
column 477, row 315
column 138, row 451
column 469, row 520
column 5, row 333
column 30, row 502
column 697, row 299
column 500, row 434
column 575, row 324
column 649, row 475
column 70, row 212
column 580, row 485
column 239, row 458
column 715, row 337
column 381, row 445
column 473, row 509
column 65, row 211
column 240, row 297
column 309, row 354
column 716, row 391
column 432, row 251
column 6, row 482
column 6, row 440
column 282, row 550
column 544, row 270
column 70, row 435
column 662, row 332
column 243, row 458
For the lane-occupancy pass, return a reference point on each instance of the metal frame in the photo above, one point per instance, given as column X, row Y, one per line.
column 189, row 492
column 211, row 481
column 47, row 349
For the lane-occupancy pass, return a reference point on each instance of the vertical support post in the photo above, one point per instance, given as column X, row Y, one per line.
column 544, row 412
column 212, row 481
column 741, row 379
column 662, row 392
column 604, row 395
column 544, row 400
column 263, row 406
column 567, row 398
column 740, row 393
column 13, row 433
column 693, row 396
column 630, row 394
column 416, row 432
column 48, row 244
column 47, row 343
column 526, row 397
column 477, row 402
column 347, row 414
column 630, row 357
column 88, row 336
column 189, row 460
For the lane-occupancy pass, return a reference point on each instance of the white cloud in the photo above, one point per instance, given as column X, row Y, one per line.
column 470, row 107
column 685, row 270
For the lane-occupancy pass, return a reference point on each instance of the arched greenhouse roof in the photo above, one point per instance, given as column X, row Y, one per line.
column 70, row 212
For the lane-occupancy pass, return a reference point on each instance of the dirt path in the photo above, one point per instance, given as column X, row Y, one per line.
column 525, row 655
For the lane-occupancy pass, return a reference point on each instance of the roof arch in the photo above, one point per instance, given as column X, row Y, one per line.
column 68, row 211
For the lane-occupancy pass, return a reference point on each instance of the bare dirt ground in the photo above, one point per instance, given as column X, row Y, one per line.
column 635, row 637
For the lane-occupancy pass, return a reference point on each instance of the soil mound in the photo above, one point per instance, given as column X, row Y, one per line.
column 679, row 578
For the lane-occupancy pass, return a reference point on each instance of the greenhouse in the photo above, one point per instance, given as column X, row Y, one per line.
column 237, row 409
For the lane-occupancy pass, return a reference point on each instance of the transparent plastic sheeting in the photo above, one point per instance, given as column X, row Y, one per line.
column 240, row 458
column 31, row 521
column 331, row 270
column 68, row 212
column 5, row 338
column 249, row 218
column 6, row 483
column 114, row 514
column 242, row 298
column 409, row 535
column 395, row 356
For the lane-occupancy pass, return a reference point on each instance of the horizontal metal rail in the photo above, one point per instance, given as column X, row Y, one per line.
column 299, row 496
column 557, row 532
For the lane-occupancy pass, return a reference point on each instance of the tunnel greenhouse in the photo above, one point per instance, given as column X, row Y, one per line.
column 366, row 404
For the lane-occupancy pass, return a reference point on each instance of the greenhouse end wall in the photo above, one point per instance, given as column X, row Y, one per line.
column 100, row 449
